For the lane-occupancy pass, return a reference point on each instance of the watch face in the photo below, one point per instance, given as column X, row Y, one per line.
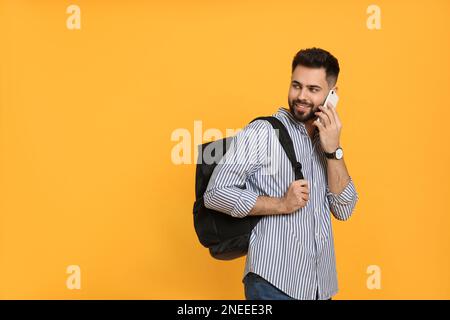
column 339, row 153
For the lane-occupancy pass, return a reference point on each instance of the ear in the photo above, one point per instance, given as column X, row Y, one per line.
column 336, row 89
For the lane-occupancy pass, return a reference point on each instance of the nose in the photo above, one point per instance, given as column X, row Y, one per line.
column 302, row 95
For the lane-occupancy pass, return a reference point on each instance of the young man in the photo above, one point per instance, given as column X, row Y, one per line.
column 291, row 250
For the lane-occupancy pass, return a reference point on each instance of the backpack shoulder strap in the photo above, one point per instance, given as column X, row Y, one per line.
column 286, row 143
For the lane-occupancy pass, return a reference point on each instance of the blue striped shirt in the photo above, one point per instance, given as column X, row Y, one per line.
column 294, row 252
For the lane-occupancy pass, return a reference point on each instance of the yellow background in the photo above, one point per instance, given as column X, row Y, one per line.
column 86, row 121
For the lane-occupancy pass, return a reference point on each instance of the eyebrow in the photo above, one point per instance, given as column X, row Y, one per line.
column 311, row 86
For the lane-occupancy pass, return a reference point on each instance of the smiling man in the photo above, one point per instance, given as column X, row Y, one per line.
column 291, row 251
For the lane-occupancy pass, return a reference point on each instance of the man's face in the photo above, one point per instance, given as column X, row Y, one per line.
column 308, row 90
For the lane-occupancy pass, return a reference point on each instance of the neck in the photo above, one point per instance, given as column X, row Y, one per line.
column 310, row 128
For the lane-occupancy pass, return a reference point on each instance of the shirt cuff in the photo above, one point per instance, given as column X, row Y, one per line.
column 346, row 196
column 245, row 204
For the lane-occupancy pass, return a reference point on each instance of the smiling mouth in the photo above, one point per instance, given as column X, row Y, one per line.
column 302, row 107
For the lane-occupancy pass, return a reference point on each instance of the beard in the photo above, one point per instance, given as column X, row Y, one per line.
column 303, row 115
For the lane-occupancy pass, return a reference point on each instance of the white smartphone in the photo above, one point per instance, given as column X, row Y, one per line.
column 332, row 98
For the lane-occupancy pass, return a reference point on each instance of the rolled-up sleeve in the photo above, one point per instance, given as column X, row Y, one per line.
column 343, row 204
column 226, row 191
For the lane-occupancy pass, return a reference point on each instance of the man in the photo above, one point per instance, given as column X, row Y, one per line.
column 291, row 250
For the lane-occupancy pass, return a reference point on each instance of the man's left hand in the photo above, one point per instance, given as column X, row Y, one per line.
column 329, row 126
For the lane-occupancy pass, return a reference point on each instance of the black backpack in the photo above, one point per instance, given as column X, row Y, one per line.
column 228, row 237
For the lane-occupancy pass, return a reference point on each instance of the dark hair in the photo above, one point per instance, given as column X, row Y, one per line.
column 318, row 58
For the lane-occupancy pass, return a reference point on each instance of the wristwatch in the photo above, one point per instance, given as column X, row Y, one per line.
column 337, row 155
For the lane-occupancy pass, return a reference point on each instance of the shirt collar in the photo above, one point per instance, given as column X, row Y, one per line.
column 299, row 125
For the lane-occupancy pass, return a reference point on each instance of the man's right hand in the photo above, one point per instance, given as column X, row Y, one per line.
column 296, row 196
